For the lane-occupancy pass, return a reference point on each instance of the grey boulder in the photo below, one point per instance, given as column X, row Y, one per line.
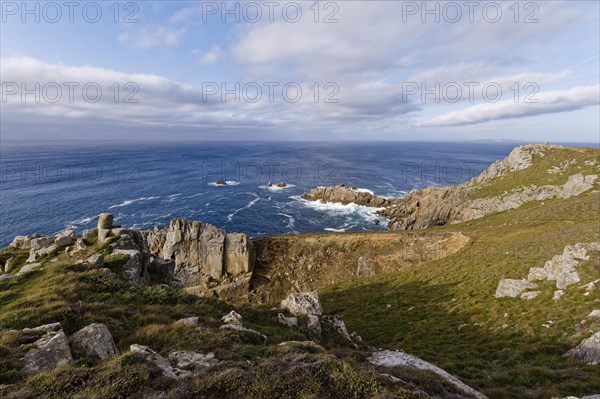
column 93, row 341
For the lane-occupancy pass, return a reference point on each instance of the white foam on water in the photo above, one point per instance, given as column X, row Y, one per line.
column 364, row 190
column 334, row 230
column 291, row 221
column 80, row 222
column 229, row 183
column 133, row 201
column 275, row 188
column 248, row 206
column 337, row 209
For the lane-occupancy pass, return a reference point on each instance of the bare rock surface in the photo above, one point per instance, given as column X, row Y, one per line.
column 588, row 350
column 192, row 362
column 345, row 195
column 156, row 359
column 49, row 352
column 513, row 288
column 388, row 358
column 93, row 341
column 306, row 303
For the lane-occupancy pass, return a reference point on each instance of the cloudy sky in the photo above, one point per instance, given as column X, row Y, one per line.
column 345, row 70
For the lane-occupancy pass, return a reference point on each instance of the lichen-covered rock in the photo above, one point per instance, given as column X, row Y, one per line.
column 306, row 303
column 193, row 362
column 52, row 327
column 95, row 261
column 152, row 357
column 530, row 295
column 20, row 242
column 134, row 270
column 388, row 358
column 93, row 341
column 233, row 318
column 39, row 247
column 49, row 352
column 105, row 221
column 335, row 323
column 588, row 350
column 89, row 233
column 594, row 314
column 65, row 237
column 31, row 267
column 513, row 288
column 197, row 250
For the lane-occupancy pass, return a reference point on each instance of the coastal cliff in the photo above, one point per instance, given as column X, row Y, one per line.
column 505, row 290
column 535, row 172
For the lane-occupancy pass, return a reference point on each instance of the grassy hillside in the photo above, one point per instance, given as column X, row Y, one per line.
column 445, row 311
column 551, row 166
column 76, row 296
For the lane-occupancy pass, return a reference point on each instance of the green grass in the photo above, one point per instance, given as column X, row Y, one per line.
column 75, row 296
column 538, row 175
column 445, row 312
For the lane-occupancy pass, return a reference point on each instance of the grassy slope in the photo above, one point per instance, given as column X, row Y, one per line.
column 538, row 174
column 75, row 297
column 445, row 311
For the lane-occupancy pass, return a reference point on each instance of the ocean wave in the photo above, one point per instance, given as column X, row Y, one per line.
column 336, row 209
column 334, row 230
column 248, row 206
column 133, row 201
column 80, row 222
column 364, row 190
column 229, row 183
column 291, row 221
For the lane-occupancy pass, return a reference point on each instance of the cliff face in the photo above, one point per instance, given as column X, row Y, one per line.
column 529, row 173
column 287, row 264
column 201, row 257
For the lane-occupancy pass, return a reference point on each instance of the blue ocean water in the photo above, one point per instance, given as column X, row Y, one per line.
column 45, row 188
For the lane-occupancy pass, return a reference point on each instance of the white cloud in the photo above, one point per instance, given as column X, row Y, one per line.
column 184, row 14
column 146, row 38
column 549, row 102
column 211, row 56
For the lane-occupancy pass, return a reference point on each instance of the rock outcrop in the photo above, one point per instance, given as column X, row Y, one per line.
column 181, row 364
column 513, row 288
column 561, row 268
column 388, row 358
column 203, row 258
column 436, row 206
column 94, row 341
column 302, row 304
column 192, row 362
column 49, row 352
column 345, row 195
column 154, row 358
column 588, row 350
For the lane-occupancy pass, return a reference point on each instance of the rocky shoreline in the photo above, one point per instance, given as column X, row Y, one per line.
column 437, row 206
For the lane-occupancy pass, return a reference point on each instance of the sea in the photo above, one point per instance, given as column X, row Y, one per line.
column 47, row 187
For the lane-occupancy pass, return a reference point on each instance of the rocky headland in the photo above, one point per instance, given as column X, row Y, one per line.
column 191, row 310
column 506, row 184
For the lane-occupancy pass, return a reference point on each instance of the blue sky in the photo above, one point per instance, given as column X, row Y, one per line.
column 373, row 59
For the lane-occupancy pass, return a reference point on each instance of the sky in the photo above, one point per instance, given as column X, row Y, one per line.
column 304, row 70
